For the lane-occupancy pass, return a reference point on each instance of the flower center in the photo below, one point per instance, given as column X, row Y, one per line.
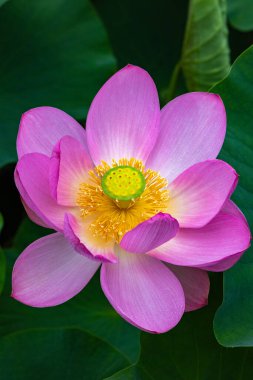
column 115, row 199
column 123, row 184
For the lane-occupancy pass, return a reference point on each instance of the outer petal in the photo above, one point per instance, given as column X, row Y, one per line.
column 78, row 234
column 222, row 265
column 150, row 234
column 199, row 193
column 193, row 128
column 123, row 118
column 49, row 272
column 224, row 236
column 34, row 217
column 31, row 177
column 143, row 291
column 40, row 129
column 195, row 283
column 230, row 207
column 69, row 166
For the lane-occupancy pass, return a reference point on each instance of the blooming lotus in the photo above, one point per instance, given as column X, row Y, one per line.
column 140, row 194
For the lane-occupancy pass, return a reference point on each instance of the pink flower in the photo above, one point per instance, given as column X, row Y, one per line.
column 140, row 181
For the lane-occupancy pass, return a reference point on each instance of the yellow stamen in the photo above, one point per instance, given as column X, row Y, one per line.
column 114, row 216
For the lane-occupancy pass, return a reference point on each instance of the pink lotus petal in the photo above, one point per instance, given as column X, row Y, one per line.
column 230, row 207
column 79, row 236
column 123, row 118
column 198, row 194
column 41, row 128
column 224, row 236
column 222, row 265
column 31, row 177
column 34, row 217
column 193, row 128
column 150, row 234
column 69, row 166
column 195, row 283
column 49, row 272
column 143, row 291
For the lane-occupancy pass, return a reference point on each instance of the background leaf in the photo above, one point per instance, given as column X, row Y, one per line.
column 60, row 354
column 205, row 55
column 146, row 33
column 234, row 320
column 52, row 53
column 2, row 269
column 1, row 222
column 2, row 259
column 134, row 372
column 240, row 13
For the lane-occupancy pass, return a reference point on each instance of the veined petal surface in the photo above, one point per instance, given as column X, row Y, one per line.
column 198, row 194
column 123, row 119
column 150, row 234
column 69, row 166
column 143, row 291
column 192, row 130
column 41, row 128
column 49, row 272
column 32, row 181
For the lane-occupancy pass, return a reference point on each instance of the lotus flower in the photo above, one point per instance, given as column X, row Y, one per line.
column 139, row 193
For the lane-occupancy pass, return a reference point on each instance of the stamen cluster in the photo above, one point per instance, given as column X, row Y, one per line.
column 109, row 218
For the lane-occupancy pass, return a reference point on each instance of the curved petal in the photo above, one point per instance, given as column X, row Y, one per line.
column 123, row 118
column 79, row 236
column 34, row 217
column 69, row 166
column 193, row 128
column 224, row 236
column 230, row 207
column 195, row 283
column 49, row 272
column 222, row 265
column 198, row 194
column 41, row 128
column 143, row 291
column 150, row 234
column 31, row 178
